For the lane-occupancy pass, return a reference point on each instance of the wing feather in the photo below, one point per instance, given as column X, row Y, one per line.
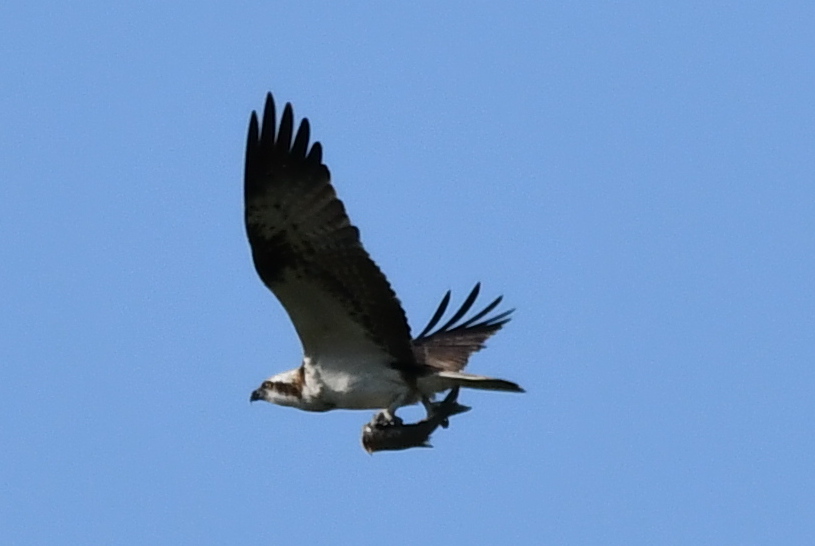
column 308, row 253
column 449, row 347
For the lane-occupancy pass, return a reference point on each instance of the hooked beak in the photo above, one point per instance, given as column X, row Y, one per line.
column 257, row 394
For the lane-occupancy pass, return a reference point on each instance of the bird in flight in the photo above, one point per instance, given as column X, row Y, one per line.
column 358, row 352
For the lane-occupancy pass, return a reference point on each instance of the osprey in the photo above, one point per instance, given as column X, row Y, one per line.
column 357, row 345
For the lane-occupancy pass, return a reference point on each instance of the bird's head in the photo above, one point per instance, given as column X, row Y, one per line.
column 284, row 389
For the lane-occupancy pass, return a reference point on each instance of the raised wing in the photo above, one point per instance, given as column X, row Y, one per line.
column 307, row 252
column 449, row 347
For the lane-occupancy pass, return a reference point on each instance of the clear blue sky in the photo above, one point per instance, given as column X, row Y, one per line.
column 637, row 178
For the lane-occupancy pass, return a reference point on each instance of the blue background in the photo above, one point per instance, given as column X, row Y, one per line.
column 635, row 177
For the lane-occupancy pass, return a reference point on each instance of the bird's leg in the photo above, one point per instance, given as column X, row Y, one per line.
column 387, row 417
column 429, row 406
column 435, row 408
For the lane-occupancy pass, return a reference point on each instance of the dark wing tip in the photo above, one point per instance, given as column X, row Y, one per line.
column 468, row 302
column 316, row 154
column 277, row 139
column 454, row 324
column 445, row 301
column 267, row 135
column 252, row 144
column 300, row 146
column 252, row 134
column 269, row 146
column 284, row 132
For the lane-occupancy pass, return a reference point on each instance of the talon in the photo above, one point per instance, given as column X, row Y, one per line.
column 385, row 419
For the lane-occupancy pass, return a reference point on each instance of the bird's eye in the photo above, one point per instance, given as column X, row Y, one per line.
column 267, row 385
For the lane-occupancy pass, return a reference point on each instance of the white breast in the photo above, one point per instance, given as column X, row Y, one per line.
column 353, row 381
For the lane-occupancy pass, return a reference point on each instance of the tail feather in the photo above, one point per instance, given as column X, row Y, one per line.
column 472, row 381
